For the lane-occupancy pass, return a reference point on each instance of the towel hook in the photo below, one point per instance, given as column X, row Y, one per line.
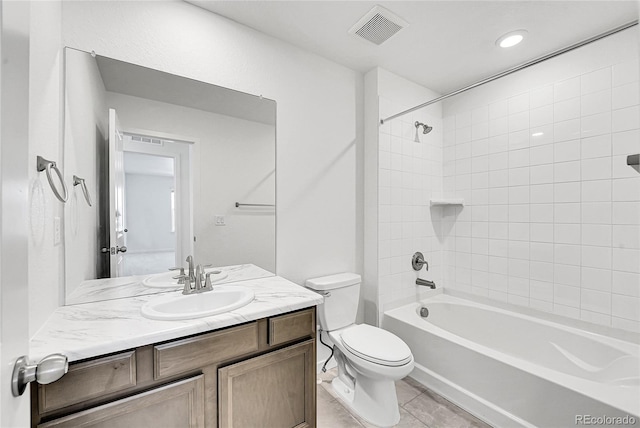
column 80, row 181
column 47, row 166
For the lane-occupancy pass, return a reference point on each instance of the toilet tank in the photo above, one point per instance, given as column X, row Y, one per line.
column 341, row 295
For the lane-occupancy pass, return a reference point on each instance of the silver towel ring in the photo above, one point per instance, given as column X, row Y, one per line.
column 47, row 165
column 80, row 181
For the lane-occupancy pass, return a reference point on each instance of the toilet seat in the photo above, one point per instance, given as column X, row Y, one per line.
column 376, row 345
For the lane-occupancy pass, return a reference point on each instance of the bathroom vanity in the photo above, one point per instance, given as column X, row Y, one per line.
column 254, row 366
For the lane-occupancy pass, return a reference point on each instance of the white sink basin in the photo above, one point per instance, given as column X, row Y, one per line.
column 183, row 307
column 165, row 280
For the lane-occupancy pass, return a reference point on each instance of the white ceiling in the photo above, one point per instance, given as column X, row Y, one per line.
column 448, row 44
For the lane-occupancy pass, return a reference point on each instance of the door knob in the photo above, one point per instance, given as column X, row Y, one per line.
column 49, row 369
column 114, row 250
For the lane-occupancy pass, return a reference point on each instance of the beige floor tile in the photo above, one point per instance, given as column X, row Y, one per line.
column 472, row 420
column 406, row 391
column 436, row 412
column 407, row 420
column 426, row 410
column 417, row 385
column 419, row 408
column 332, row 414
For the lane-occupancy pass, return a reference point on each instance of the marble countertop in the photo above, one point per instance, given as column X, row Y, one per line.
column 92, row 329
column 129, row 286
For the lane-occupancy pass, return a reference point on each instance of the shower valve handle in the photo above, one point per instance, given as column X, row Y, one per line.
column 418, row 261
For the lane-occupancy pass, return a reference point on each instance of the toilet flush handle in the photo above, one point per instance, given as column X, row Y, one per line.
column 320, row 292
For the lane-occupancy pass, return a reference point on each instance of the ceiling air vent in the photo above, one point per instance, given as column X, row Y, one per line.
column 146, row 139
column 378, row 25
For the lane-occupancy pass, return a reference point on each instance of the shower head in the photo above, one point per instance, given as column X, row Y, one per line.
column 425, row 130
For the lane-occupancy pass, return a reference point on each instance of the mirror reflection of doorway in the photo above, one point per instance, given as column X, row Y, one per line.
column 155, row 198
column 150, row 227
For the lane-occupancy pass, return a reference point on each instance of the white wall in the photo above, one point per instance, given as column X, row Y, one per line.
column 46, row 263
column 232, row 159
column 86, row 133
column 552, row 215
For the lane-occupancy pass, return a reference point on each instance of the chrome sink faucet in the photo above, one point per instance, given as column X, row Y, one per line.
column 187, row 284
column 200, row 275
column 207, row 282
column 199, row 272
column 198, row 286
column 180, row 277
column 192, row 275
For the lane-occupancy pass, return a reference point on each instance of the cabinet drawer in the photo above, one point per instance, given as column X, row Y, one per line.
column 200, row 351
column 288, row 327
column 180, row 404
column 89, row 380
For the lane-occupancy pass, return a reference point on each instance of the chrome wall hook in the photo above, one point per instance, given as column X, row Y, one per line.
column 47, row 165
column 80, row 181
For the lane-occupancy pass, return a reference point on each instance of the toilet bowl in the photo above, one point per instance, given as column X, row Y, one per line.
column 367, row 370
column 369, row 358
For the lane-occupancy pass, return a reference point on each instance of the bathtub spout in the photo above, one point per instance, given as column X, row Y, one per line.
column 426, row 283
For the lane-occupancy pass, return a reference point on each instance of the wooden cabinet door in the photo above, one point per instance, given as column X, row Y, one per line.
column 277, row 389
column 179, row 404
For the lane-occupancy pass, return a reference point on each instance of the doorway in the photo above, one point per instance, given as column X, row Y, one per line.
column 157, row 208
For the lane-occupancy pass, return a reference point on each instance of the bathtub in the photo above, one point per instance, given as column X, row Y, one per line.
column 511, row 369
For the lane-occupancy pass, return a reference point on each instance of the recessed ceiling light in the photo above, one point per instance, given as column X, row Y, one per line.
column 537, row 134
column 511, row 39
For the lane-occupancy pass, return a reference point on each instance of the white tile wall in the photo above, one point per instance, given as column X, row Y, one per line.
column 409, row 174
column 552, row 214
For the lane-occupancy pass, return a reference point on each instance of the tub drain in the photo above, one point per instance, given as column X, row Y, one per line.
column 424, row 312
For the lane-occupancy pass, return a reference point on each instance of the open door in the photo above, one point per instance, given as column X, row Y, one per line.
column 14, row 181
column 116, row 196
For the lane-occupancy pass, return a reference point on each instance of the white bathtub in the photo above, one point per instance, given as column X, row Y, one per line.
column 511, row 369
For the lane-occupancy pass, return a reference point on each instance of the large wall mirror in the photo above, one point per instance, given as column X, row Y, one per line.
column 163, row 167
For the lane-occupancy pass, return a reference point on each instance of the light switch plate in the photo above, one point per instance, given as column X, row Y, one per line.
column 219, row 220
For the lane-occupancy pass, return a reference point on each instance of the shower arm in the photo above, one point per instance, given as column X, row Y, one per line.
column 516, row 68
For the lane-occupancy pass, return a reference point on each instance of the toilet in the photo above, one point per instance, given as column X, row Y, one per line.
column 369, row 358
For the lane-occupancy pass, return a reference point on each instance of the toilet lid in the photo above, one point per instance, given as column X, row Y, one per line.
column 376, row 345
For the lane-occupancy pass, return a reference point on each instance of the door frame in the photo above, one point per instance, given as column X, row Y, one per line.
column 182, row 153
column 116, row 194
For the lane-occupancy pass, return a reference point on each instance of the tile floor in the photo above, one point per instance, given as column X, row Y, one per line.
column 419, row 408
